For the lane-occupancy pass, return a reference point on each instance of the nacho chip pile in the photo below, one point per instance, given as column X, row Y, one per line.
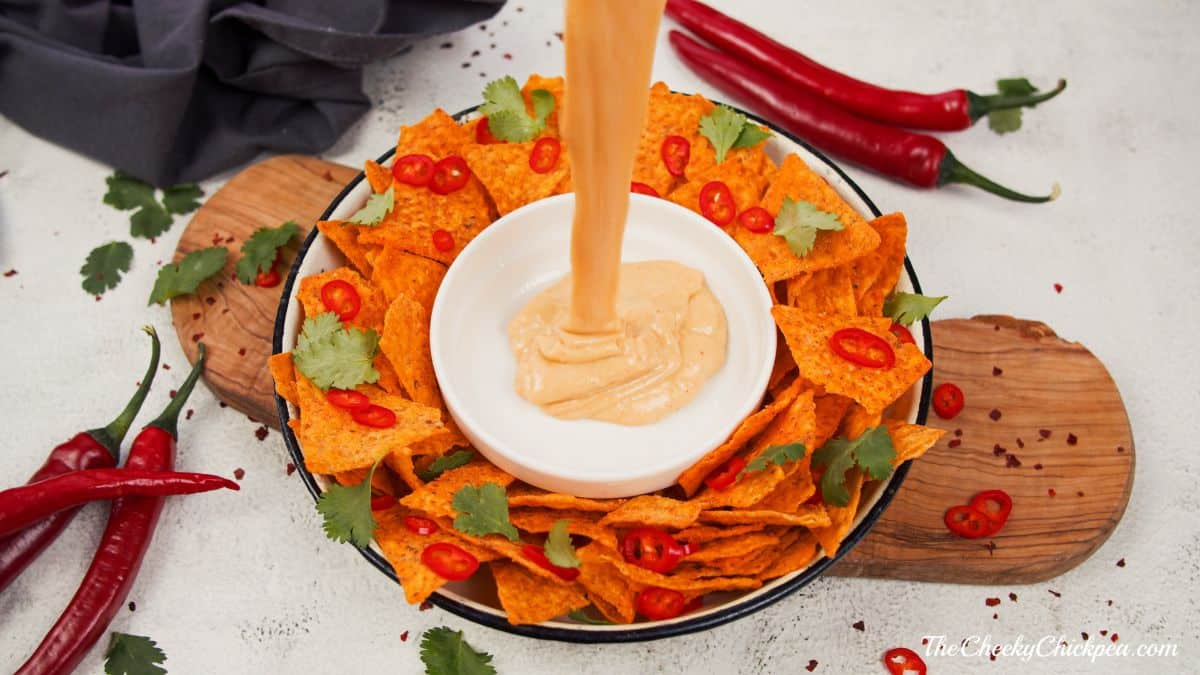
column 769, row 522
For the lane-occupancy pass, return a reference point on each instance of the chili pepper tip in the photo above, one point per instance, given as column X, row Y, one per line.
column 978, row 105
column 954, row 171
column 112, row 435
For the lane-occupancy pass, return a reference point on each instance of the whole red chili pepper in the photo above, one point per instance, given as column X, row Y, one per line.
column 115, row 566
column 948, row 111
column 917, row 159
column 27, row 504
column 93, row 449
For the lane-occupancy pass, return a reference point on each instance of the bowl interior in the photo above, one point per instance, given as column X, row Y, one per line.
column 528, row 250
column 476, row 599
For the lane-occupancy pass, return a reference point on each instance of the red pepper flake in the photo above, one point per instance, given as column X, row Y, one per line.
column 1054, row 593
column 1058, row 288
column 11, row 273
column 924, row 641
column 239, row 473
column 327, row 176
column 1012, row 596
column 955, row 442
column 242, row 351
column 1079, row 494
column 425, row 606
column 958, row 432
column 1103, row 633
column 1051, row 492
column 1037, row 467
column 1084, row 635
column 291, row 468
column 1020, row 443
column 991, row 548
column 446, row 45
column 994, row 414
column 1011, row 461
column 996, row 372
column 1120, row 448
column 210, row 300
column 3, row 173
column 507, row 56
column 1114, row 637
column 171, row 393
column 992, row 602
column 261, row 433
column 1072, row 439
column 1044, row 433
column 216, row 238
column 404, row 636
column 97, row 298
column 1121, row 562
column 196, row 336
column 559, row 36
column 1110, row 603
column 229, row 239
column 132, row 606
column 166, row 366
column 812, row 665
column 859, row 625
column 466, row 64
column 252, row 420
column 999, row 450
column 995, row 615
column 195, row 316
column 223, row 404
column 189, row 414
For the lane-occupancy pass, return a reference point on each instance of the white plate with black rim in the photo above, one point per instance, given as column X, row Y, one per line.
column 475, row 599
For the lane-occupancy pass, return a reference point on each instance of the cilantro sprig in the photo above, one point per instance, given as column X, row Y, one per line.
column 582, row 616
column 798, row 222
column 558, row 548
column 727, row 129
column 104, row 266
column 905, row 308
column 347, row 511
column 133, row 655
column 775, row 454
column 445, row 652
column 258, row 252
column 446, row 462
column 376, row 208
column 151, row 217
column 185, row 276
column 483, row 510
column 1007, row 121
column 507, row 117
column 872, row 451
column 333, row 356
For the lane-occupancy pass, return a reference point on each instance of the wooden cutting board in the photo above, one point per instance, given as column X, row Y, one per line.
column 1043, row 421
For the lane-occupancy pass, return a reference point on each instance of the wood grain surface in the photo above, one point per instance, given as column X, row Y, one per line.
column 1060, row 442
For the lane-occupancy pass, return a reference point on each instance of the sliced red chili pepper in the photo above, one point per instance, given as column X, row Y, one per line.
column 339, row 297
column 948, row 400
column 420, row 525
column 967, row 522
column 652, row 549
column 727, row 475
column 903, row 661
column 996, row 505
column 544, row 156
column 268, row 279
column 862, row 348
column 643, row 189
column 375, row 416
column 716, row 203
column 757, row 220
column 902, row 333
column 483, row 133
column 382, row 502
column 538, row 556
column 347, row 399
column 675, row 153
column 443, row 240
column 449, row 561
column 658, row 604
column 413, row 170
column 450, row 174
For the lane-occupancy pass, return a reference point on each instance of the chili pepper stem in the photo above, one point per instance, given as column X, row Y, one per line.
column 112, row 435
column 168, row 420
column 978, row 105
column 954, row 171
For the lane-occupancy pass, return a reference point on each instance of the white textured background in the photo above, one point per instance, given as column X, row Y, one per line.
column 247, row 583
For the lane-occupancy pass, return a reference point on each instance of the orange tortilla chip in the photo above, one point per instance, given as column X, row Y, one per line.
column 283, row 371
column 791, row 493
column 911, row 440
column 405, row 342
column 527, row 599
column 808, row 336
column 808, row 515
column 438, row 135
column 829, row 290
column 857, row 420
column 401, row 462
column 609, row 591
column 398, row 272
column 417, row 212
column 746, row 183
column 668, row 114
column 833, row 248
column 582, row 523
column 877, row 272
column 653, row 511
column 797, row 555
column 381, row 480
column 436, row 498
column 334, row 442
column 731, row 547
column 403, row 550
column 830, row 410
column 345, row 237
column 370, row 313
column 504, row 170
column 379, row 176
column 387, row 375
column 645, row 577
column 840, row 517
column 699, row 534
column 750, row 427
column 528, row 496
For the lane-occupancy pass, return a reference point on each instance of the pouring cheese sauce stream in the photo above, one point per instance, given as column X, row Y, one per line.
column 625, row 343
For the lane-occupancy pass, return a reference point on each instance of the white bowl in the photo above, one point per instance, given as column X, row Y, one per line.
column 519, row 256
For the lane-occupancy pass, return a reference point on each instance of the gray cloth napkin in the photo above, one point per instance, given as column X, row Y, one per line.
column 177, row 90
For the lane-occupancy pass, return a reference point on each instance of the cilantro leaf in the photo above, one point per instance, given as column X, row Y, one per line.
column 376, row 208
column 483, row 510
column 727, row 128
column 133, row 655
column 332, row 356
column 347, row 511
column 872, row 451
column 1006, row 121
column 905, row 308
column 583, row 617
column 184, row 276
column 445, row 463
column 104, row 265
column 150, row 221
column 182, row 198
column 126, row 192
column 558, row 548
column 776, row 454
column 799, row 221
column 258, row 252
column 445, row 652
column 508, row 119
